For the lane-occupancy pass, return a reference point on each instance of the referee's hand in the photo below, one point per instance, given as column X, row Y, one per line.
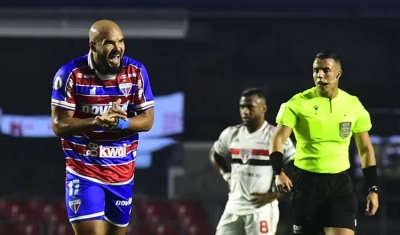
column 283, row 183
column 372, row 204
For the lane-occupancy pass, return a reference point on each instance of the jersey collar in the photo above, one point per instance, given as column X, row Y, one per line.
column 259, row 129
column 316, row 94
column 101, row 76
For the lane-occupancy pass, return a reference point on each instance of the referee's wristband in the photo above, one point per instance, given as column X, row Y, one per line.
column 122, row 124
column 371, row 175
column 276, row 159
column 226, row 176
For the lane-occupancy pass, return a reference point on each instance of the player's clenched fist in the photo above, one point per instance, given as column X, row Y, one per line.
column 283, row 183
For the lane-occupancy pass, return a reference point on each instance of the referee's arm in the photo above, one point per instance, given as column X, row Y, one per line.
column 365, row 149
column 367, row 157
column 281, row 134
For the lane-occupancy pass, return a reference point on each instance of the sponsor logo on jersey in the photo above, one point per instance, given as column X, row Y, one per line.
column 123, row 202
column 101, row 109
column 95, row 150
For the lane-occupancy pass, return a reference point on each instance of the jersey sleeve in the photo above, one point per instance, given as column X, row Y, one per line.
column 289, row 151
column 143, row 98
column 63, row 94
column 221, row 146
column 286, row 115
column 363, row 121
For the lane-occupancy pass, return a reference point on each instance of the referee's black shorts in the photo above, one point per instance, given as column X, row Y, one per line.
column 322, row 200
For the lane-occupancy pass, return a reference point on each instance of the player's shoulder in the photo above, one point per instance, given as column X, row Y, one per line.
column 270, row 128
column 68, row 68
column 130, row 62
column 230, row 130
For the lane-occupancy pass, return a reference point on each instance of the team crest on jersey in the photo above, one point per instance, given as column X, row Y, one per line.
column 125, row 88
column 74, row 205
column 345, row 129
column 245, row 153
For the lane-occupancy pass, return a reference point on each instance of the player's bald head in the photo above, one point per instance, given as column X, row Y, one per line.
column 103, row 29
column 107, row 46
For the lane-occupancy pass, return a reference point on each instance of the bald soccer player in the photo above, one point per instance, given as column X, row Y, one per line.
column 99, row 104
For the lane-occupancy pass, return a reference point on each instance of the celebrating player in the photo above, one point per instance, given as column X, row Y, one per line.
column 252, row 208
column 100, row 101
column 323, row 119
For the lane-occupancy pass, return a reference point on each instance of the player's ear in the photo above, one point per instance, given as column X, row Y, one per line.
column 339, row 74
column 92, row 46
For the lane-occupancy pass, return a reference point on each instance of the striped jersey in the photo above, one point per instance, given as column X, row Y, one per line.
column 102, row 156
column 251, row 168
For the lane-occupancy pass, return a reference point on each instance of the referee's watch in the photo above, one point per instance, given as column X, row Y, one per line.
column 374, row 189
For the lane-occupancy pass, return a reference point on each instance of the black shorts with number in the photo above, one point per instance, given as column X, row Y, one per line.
column 322, row 200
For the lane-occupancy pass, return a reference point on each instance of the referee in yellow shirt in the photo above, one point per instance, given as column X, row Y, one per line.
column 323, row 120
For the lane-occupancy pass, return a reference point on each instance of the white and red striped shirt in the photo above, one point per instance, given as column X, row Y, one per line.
column 102, row 156
column 251, row 167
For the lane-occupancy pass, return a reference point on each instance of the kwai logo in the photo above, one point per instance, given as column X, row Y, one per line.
column 95, row 150
column 101, row 109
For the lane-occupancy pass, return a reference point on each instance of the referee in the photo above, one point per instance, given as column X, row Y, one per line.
column 323, row 120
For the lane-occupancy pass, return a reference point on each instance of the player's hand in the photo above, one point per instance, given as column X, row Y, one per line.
column 108, row 121
column 372, row 204
column 261, row 199
column 116, row 109
column 283, row 183
column 110, row 118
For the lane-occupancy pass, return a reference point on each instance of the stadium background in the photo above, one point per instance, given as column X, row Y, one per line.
column 200, row 55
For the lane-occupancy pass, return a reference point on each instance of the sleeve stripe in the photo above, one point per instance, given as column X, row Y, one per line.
column 145, row 105
column 63, row 104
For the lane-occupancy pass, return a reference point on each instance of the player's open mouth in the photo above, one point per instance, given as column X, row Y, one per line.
column 114, row 59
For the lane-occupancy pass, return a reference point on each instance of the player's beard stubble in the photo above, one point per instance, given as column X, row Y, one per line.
column 252, row 122
column 105, row 65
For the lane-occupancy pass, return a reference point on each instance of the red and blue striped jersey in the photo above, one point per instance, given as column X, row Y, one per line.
column 103, row 156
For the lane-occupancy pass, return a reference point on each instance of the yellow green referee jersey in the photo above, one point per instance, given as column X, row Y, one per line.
column 323, row 128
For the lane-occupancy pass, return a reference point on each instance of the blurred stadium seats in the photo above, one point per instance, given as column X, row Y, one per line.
column 149, row 217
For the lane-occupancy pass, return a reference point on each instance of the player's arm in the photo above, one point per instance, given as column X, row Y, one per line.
column 144, row 105
column 218, row 152
column 143, row 121
column 64, row 123
column 63, row 106
column 364, row 146
column 218, row 162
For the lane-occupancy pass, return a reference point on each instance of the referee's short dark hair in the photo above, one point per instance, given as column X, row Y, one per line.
column 328, row 55
column 254, row 91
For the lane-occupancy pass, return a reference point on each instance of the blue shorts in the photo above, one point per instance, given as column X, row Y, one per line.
column 88, row 200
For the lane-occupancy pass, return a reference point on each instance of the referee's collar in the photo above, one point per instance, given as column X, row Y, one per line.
column 339, row 94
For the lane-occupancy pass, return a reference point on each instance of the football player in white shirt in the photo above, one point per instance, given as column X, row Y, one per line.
column 252, row 207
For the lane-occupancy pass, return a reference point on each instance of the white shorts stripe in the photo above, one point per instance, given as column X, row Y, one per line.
column 118, row 225
column 87, row 216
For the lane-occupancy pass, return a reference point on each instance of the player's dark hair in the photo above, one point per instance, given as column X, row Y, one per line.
column 254, row 91
column 328, row 55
